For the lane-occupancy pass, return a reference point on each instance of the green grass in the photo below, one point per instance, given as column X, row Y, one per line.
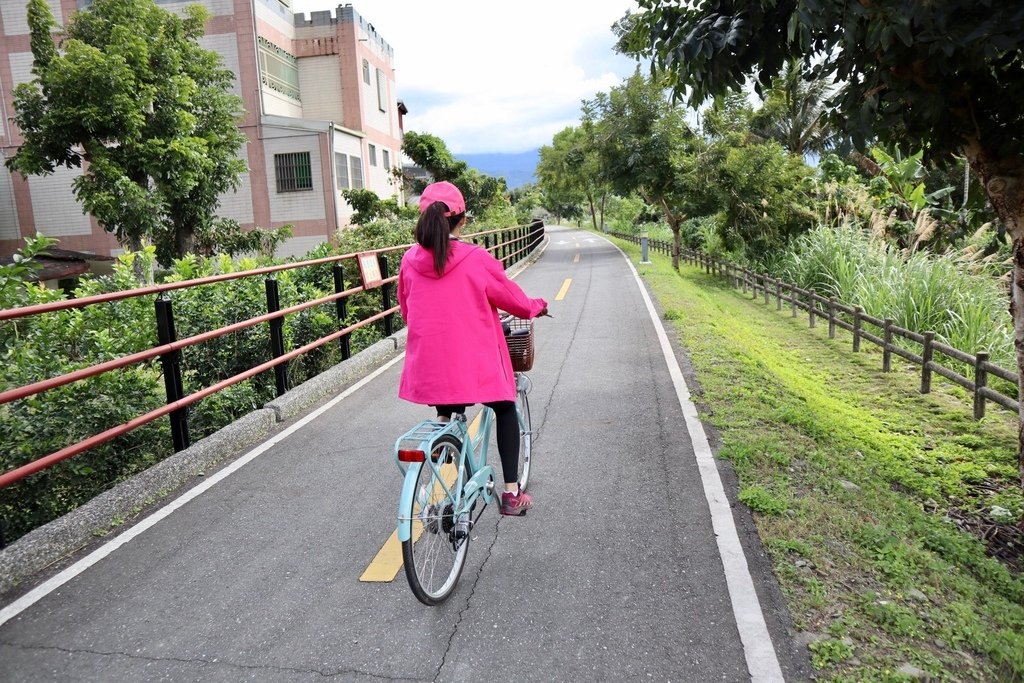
column 850, row 473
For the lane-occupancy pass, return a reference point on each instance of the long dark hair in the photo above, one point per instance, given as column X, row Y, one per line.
column 433, row 232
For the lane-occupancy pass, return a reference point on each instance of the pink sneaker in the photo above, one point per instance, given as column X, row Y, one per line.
column 515, row 505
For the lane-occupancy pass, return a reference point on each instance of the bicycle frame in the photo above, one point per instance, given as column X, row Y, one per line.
column 423, row 437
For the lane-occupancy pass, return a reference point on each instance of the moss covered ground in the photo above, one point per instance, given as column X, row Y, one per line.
column 856, row 482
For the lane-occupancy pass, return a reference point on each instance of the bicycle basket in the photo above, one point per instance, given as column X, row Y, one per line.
column 520, row 343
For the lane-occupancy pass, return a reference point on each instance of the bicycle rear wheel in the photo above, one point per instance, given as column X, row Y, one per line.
column 436, row 552
column 525, row 435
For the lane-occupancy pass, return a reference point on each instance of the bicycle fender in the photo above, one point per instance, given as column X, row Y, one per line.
column 405, row 501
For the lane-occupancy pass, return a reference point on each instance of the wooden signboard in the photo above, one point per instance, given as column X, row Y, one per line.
column 369, row 270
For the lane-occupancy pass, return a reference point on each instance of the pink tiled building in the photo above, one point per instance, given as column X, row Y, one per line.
column 321, row 117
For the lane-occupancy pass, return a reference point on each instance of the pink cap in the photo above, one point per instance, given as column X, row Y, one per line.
column 443, row 192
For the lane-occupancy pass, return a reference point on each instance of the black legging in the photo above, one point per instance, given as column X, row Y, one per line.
column 507, row 434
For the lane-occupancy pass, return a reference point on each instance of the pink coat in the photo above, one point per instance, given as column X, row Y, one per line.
column 456, row 352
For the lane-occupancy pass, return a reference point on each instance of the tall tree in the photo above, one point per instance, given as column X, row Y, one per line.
column 793, row 113
column 946, row 77
column 132, row 97
column 646, row 146
column 430, row 153
column 567, row 171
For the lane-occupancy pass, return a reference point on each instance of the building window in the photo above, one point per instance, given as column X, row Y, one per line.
column 366, row 72
column 293, row 172
column 373, row 155
column 382, row 91
column 356, row 165
column 279, row 70
column 341, row 171
column 387, row 159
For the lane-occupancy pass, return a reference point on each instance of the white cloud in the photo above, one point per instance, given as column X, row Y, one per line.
column 488, row 77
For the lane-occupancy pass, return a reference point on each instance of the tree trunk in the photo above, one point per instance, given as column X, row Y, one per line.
column 1003, row 180
column 1017, row 311
column 674, row 222
column 593, row 212
column 184, row 242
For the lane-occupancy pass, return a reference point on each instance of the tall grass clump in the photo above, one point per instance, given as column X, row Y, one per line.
column 920, row 292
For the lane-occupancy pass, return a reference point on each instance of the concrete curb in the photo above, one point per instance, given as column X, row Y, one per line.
column 51, row 542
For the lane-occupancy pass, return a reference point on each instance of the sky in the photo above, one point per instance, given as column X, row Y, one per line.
column 495, row 77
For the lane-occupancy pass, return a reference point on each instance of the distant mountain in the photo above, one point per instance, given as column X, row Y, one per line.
column 516, row 169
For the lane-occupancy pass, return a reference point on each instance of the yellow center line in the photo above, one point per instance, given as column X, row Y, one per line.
column 577, row 259
column 388, row 560
column 565, row 288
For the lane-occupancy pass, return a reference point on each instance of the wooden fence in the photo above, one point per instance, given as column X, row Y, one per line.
column 854, row 320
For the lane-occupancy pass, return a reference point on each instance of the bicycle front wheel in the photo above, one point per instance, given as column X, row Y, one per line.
column 525, row 437
column 436, row 552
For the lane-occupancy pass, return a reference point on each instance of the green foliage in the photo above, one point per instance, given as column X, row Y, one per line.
column 796, row 412
column 764, row 197
column 794, row 114
column 569, row 171
column 44, row 346
column 369, row 207
column 132, row 97
column 921, row 292
column 760, row 500
column 430, row 153
column 913, row 72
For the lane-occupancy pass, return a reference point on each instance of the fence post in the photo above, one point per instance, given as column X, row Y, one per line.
column 811, row 306
column 778, row 294
column 767, row 280
column 926, row 358
column 857, row 310
column 887, row 346
column 743, row 271
column 385, row 296
column 753, row 284
column 171, row 365
column 792, row 300
column 277, row 336
column 341, row 306
column 980, row 382
column 831, row 317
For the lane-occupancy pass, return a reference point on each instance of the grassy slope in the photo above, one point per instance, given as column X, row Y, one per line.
column 850, row 473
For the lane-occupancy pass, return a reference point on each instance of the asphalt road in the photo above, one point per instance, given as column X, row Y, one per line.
column 615, row 575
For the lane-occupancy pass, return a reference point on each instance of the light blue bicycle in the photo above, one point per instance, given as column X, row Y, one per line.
column 448, row 484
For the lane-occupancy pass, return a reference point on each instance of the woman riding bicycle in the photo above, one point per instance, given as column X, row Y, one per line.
column 450, row 292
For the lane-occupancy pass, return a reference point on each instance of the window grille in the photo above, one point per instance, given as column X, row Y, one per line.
column 366, row 72
column 293, row 172
column 373, row 155
column 387, row 159
column 279, row 70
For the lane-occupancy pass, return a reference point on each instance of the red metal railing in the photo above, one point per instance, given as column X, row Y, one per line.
column 517, row 242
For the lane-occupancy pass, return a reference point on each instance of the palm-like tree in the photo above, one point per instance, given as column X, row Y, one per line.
column 793, row 113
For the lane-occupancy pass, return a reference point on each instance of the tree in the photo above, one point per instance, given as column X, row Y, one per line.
column 793, row 113
column 646, row 146
column 569, row 170
column 132, row 97
column 946, row 77
column 430, row 153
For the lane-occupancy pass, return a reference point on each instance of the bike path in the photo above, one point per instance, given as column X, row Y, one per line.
column 615, row 575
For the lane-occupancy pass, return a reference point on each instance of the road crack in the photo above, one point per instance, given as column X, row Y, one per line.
column 325, row 673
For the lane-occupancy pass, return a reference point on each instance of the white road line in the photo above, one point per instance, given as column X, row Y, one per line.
column 24, row 602
column 762, row 662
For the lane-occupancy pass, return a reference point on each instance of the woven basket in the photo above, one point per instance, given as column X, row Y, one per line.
column 520, row 343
